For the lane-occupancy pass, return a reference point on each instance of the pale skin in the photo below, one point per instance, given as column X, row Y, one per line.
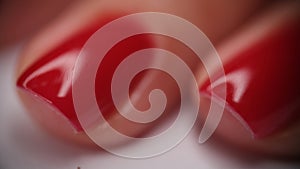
column 217, row 19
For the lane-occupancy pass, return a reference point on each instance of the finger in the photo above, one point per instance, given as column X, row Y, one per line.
column 261, row 67
column 68, row 34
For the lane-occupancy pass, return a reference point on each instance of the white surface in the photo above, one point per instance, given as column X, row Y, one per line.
column 23, row 145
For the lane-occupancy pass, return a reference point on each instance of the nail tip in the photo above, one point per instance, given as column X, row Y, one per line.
column 23, row 85
column 214, row 98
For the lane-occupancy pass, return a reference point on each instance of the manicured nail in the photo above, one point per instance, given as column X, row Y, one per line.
column 50, row 77
column 262, row 81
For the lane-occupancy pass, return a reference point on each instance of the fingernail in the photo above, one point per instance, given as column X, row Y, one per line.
column 50, row 77
column 262, row 81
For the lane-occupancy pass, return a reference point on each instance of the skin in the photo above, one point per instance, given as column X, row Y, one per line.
column 216, row 18
column 231, row 130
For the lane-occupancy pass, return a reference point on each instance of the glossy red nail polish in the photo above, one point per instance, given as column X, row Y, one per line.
column 263, row 81
column 50, row 77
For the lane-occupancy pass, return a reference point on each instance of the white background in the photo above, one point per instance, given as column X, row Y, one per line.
column 23, row 145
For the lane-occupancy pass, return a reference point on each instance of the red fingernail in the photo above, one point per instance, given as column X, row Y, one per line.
column 50, row 78
column 263, row 81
